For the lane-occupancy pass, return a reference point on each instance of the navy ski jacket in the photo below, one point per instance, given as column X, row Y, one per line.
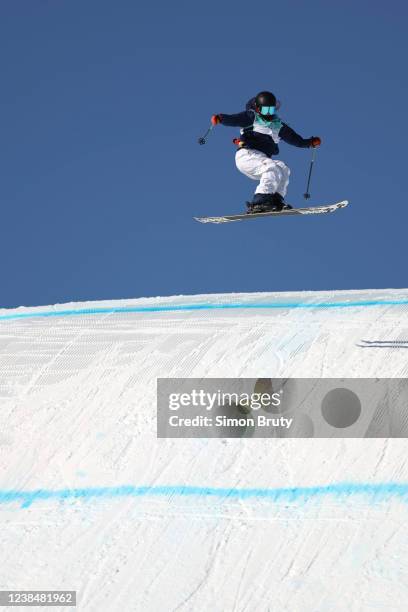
column 262, row 135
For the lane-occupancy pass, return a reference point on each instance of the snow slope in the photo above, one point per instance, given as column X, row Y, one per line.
column 78, row 422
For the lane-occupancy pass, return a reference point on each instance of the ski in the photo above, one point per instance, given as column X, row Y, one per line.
column 383, row 344
column 311, row 210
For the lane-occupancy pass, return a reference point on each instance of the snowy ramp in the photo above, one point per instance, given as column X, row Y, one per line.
column 91, row 500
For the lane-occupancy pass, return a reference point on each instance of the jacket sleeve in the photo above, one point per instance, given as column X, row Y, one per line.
column 291, row 137
column 244, row 119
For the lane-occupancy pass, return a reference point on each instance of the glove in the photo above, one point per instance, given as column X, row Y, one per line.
column 315, row 141
column 215, row 119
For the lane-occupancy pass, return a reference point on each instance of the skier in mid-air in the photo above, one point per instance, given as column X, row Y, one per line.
column 261, row 131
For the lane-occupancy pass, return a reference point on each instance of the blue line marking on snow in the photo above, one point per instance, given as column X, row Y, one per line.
column 372, row 492
column 204, row 306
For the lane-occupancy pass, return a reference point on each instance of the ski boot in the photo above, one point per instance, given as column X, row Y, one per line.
column 265, row 202
column 281, row 202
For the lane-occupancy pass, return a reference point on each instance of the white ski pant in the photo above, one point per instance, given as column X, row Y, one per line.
column 272, row 174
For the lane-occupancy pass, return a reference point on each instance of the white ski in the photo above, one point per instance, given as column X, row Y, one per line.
column 383, row 344
column 311, row 210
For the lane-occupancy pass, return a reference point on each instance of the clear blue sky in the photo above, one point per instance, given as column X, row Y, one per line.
column 101, row 107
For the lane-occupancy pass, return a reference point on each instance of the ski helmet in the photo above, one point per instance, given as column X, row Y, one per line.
column 266, row 104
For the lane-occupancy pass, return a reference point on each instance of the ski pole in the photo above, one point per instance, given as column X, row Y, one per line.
column 307, row 194
column 203, row 139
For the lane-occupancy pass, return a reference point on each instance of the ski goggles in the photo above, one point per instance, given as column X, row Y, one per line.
column 267, row 110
